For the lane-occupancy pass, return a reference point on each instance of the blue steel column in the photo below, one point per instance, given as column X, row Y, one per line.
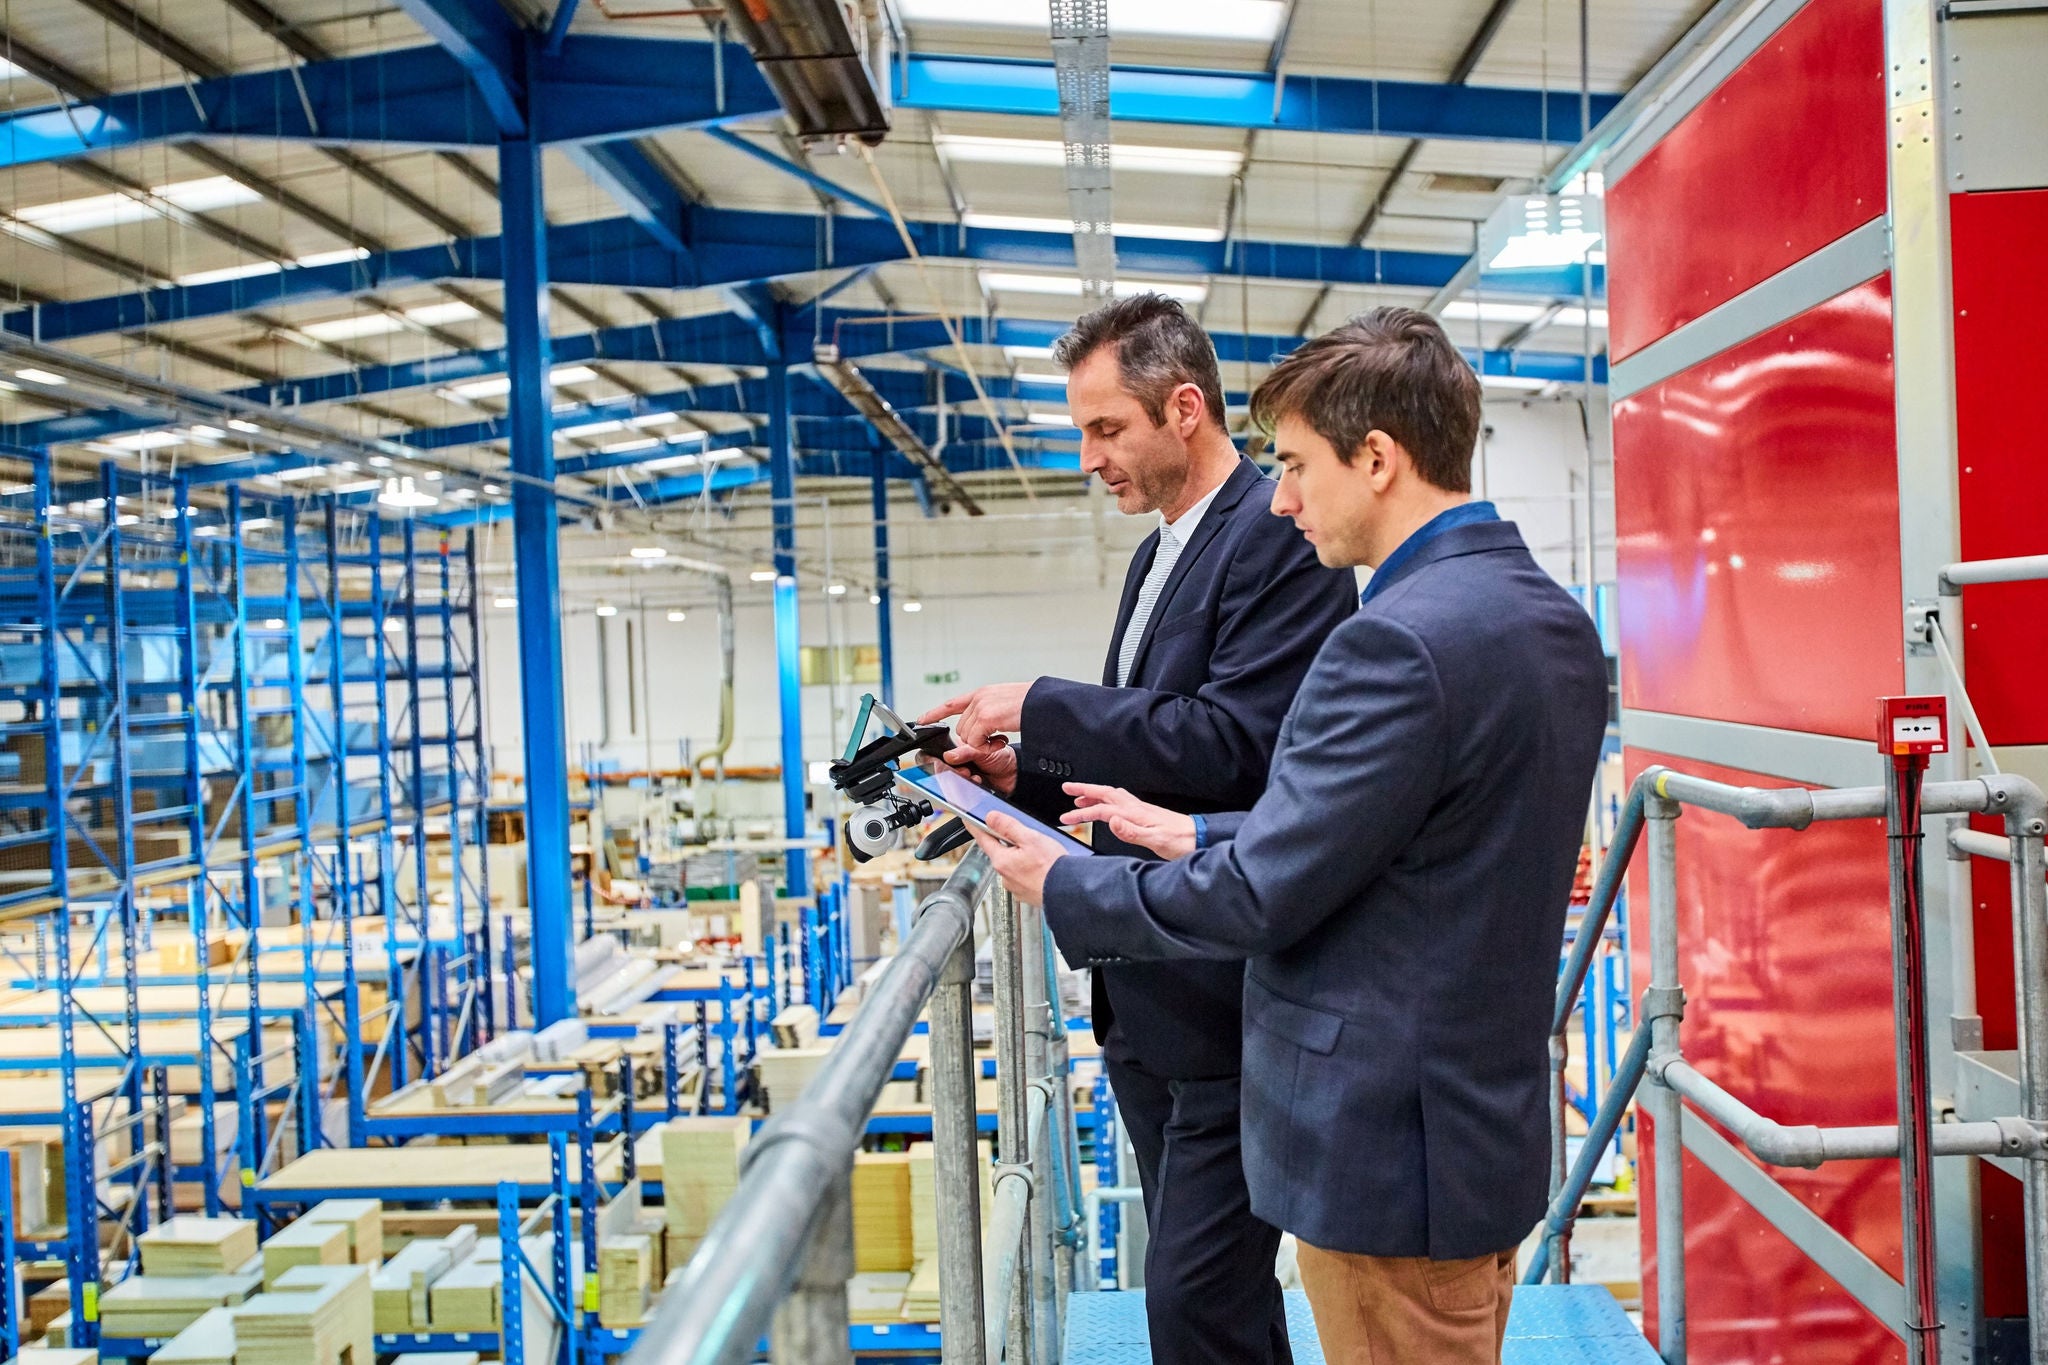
column 883, row 638
column 546, row 734
column 782, row 476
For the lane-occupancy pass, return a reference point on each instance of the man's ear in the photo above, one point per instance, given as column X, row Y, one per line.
column 1381, row 457
column 1187, row 410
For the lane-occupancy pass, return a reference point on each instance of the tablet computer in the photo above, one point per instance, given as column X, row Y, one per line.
column 974, row 804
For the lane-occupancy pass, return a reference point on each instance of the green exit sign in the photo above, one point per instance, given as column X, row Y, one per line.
column 951, row 676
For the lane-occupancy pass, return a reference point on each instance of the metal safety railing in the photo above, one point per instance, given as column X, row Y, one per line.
column 1656, row 800
column 777, row 1258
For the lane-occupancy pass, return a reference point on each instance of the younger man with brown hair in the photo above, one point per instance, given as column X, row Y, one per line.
column 1400, row 887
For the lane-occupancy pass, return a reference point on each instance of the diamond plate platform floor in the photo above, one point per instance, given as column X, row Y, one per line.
column 1574, row 1324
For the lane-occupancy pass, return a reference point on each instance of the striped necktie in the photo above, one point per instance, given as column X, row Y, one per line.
column 1163, row 560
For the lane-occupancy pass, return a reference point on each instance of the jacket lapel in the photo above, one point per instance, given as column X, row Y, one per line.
column 1234, row 488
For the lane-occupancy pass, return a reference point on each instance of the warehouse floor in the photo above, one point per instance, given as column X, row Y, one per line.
column 1550, row 1325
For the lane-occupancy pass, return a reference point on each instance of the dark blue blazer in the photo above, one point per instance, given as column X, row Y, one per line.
column 1400, row 890
column 1235, row 628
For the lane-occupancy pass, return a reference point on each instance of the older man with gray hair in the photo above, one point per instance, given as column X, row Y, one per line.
column 1223, row 609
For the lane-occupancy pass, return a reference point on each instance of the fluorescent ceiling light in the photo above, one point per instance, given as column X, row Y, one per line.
column 1000, row 281
column 1023, row 151
column 913, row 605
column 304, row 471
column 1576, row 317
column 654, row 419
column 206, row 432
column 649, row 552
column 1048, row 419
column 274, row 623
column 1538, row 250
column 378, row 324
column 591, row 428
column 625, row 447
column 380, row 462
column 502, row 384
column 761, row 576
column 237, row 424
column 232, row 272
column 504, row 603
column 1035, row 377
column 359, row 486
column 1519, row 383
column 607, row 610
column 440, row 314
column 1242, row 21
column 1028, row 352
column 1469, row 310
column 111, row 210
column 34, row 376
column 349, row 328
column 144, row 440
column 671, row 462
column 1022, row 223
column 675, row 616
column 256, row 523
column 837, row 590
column 320, row 258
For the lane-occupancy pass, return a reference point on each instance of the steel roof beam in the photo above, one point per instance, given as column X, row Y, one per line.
column 602, row 88
column 731, row 247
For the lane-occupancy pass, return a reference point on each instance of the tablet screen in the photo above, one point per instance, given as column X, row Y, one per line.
column 954, row 792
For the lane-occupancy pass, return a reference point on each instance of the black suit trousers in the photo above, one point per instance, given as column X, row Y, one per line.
column 1210, row 1294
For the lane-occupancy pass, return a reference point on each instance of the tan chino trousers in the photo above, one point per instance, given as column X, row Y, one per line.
column 1408, row 1310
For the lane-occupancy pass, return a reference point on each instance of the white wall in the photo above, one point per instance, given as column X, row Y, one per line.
column 1022, row 592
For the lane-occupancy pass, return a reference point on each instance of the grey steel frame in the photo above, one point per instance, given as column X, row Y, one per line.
column 1656, row 800
column 777, row 1258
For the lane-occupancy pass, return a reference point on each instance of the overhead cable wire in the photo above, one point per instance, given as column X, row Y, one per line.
column 947, row 321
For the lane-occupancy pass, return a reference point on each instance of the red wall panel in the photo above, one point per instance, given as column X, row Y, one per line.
column 2001, row 295
column 1756, row 510
column 1786, row 156
column 1785, row 956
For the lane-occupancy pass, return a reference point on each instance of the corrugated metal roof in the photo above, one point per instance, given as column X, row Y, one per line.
column 1295, row 187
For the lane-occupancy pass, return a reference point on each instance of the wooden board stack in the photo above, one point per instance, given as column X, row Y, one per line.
column 625, row 1276
column 795, row 1027
column 165, row 1305
column 438, row 1358
column 921, row 1298
column 881, row 1212
column 924, row 1209
column 189, row 1245
column 209, row 1341
column 400, row 1288
column 364, row 1219
column 785, row 1071
column 56, row 1355
column 876, row 1297
column 316, row 1315
column 466, row 1298
column 700, row 1169
column 303, row 1243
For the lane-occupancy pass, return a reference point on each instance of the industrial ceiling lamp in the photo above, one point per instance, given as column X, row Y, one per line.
column 401, row 492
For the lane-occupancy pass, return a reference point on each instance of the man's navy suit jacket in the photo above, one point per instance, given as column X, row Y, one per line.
column 1232, row 634
column 1400, row 891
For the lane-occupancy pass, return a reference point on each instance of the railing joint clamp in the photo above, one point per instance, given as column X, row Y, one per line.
column 1663, row 1002
column 1012, row 1170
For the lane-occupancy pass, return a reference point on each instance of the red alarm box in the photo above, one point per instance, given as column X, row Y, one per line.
column 1912, row 725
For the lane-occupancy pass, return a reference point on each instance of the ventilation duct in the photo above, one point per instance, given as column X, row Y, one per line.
column 826, row 60
column 854, row 386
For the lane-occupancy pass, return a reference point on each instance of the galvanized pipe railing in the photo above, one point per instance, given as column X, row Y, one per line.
column 798, row 1166
column 1658, row 797
column 777, row 1257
